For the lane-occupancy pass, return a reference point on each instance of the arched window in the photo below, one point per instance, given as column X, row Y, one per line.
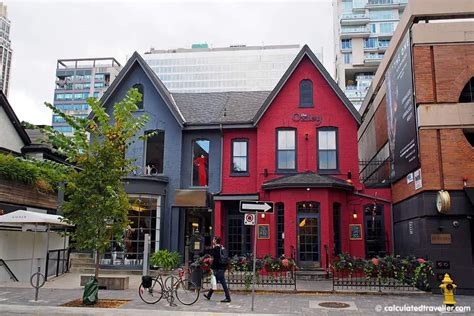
column 306, row 93
column 467, row 94
column 139, row 87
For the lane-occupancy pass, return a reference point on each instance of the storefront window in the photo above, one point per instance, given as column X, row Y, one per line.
column 200, row 162
column 154, row 151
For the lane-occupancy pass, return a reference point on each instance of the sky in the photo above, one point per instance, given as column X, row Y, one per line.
column 44, row 31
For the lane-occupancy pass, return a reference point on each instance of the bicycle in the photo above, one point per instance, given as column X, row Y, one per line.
column 153, row 289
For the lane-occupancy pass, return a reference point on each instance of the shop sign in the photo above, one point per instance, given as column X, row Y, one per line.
column 441, row 239
column 355, row 231
column 303, row 117
column 263, row 231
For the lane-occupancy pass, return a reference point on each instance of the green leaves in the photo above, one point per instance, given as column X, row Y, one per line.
column 165, row 260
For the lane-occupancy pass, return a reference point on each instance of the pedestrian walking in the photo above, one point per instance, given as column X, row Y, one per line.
column 220, row 262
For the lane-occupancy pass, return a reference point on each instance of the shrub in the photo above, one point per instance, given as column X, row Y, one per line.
column 165, row 259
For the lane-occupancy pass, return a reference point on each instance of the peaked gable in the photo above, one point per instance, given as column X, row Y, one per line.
column 15, row 123
column 136, row 59
column 306, row 51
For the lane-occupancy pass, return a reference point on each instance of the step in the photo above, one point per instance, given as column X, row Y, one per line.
column 106, row 271
column 80, row 255
column 79, row 261
column 82, row 265
column 318, row 274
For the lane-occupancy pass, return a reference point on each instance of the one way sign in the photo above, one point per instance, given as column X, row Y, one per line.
column 256, row 206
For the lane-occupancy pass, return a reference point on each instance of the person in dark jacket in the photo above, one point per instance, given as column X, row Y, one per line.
column 218, row 269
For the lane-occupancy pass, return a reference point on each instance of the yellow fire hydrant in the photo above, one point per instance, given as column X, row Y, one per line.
column 447, row 287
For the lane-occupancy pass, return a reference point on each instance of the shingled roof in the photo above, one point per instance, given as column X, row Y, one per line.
column 307, row 180
column 219, row 107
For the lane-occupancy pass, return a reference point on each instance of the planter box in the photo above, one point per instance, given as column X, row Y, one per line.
column 109, row 282
column 18, row 193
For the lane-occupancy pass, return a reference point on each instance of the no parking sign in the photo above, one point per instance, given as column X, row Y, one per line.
column 249, row 219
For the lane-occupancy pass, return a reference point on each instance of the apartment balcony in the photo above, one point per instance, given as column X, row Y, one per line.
column 386, row 3
column 373, row 58
column 354, row 19
column 352, row 32
column 354, row 94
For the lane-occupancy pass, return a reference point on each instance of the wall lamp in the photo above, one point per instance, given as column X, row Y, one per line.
column 306, row 136
column 354, row 214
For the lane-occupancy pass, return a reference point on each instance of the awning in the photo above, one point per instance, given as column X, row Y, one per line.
column 470, row 193
column 190, row 198
column 26, row 217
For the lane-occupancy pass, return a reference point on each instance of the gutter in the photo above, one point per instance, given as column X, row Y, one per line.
column 372, row 197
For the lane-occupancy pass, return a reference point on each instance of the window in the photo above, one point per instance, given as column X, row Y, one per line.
column 139, row 87
column 346, row 44
column 154, row 152
column 336, row 224
column 306, row 93
column 347, row 58
column 467, row 94
column 381, row 14
column 370, row 42
column 200, row 162
column 286, row 150
column 280, row 229
column 387, row 27
column 63, row 129
column 327, row 149
column 240, row 156
column 58, row 119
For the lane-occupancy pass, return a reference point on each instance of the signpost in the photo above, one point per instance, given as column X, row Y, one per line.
column 250, row 207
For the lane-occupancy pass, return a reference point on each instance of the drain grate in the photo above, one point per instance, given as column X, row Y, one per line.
column 334, row 305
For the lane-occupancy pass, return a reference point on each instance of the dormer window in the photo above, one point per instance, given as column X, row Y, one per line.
column 306, row 94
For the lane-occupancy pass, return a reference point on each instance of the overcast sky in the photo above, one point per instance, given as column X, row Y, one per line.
column 44, row 31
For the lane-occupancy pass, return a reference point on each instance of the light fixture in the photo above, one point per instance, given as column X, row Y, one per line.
column 354, row 214
column 263, row 215
column 307, row 189
column 306, row 136
column 195, row 225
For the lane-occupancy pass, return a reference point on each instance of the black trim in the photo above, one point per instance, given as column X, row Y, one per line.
column 234, row 173
column 277, row 169
column 328, row 171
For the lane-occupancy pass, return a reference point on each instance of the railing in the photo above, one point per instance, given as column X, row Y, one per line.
column 358, row 280
column 265, row 280
column 9, row 271
column 384, row 2
column 57, row 262
column 354, row 30
column 375, row 171
column 373, row 56
column 353, row 16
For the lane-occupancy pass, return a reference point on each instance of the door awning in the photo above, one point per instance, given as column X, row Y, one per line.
column 190, row 198
column 26, row 217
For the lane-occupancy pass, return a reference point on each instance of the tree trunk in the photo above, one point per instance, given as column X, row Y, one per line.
column 97, row 260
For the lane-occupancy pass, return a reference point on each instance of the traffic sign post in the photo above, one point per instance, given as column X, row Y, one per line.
column 251, row 210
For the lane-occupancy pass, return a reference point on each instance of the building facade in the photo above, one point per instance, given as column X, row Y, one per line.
column 76, row 81
column 295, row 145
column 234, row 68
column 5, row 50
column 363, row 31
column 417, row 135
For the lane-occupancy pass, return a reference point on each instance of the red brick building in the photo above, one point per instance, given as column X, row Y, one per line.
column 433, row 195
column 299, row 150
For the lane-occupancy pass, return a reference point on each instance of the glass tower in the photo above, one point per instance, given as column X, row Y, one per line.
column 5, row 50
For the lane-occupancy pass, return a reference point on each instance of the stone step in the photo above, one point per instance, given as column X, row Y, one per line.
column 80, row 261
column 317, row 274
column 80, row 255
column 82, row 265
column 106, row 271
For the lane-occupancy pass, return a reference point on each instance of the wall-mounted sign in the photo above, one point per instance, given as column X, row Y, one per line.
column 418, row 181
column 249, row 219
column 410, row 178
column 441, row 239
column 411, row 229
column 263, row 231
column 355, row 231
column 303, row 117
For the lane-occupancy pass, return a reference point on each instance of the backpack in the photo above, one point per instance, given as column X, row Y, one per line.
column 224, row 257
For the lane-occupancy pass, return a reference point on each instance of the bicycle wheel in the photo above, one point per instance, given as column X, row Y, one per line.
column 153, row 294
column 187, row 291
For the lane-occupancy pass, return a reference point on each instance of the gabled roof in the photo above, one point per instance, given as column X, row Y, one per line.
column 306, row 51
column 14, row 119
column 220, row 107
column 307, row 180
column 158, row 84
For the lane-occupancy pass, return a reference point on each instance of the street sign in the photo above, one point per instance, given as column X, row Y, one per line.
column 249, row 219
column 256, row 206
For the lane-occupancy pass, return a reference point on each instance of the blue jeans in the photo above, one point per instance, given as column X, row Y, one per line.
column 220, row 278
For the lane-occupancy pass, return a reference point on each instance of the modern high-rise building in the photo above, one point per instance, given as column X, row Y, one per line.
column 234, row 68
column 5, row 49
column 76, row 81
column 363, row 31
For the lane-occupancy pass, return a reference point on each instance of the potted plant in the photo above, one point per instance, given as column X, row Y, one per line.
column 165, row 260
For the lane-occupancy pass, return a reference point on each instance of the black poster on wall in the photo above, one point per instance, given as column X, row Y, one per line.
column 402, row 130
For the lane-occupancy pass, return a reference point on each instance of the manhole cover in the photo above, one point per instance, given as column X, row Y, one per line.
column 333, row 305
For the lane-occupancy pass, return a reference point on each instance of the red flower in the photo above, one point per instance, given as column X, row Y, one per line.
column 284, row 262
column 421, row 260
column 375, row 261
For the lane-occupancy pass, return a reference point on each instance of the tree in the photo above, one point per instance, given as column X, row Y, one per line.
column 96, row 203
